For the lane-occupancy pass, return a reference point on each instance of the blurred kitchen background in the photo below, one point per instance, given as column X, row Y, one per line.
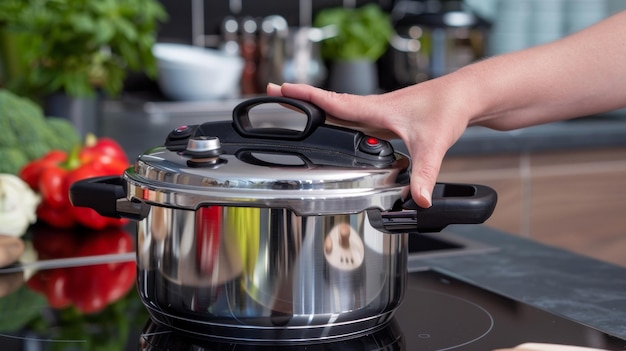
column 563, row 184
column 209, row 51
column 431, row 37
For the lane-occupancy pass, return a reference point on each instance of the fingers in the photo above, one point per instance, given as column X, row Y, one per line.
column 364, row 113
column 10, row 249
column 273, row 89
column 296, row 91
column 349, row 107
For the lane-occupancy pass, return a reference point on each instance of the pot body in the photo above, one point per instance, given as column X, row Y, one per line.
column 268, row 274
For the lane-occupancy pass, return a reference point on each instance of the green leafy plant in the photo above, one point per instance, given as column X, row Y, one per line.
column 362, row 33
column 79, row 46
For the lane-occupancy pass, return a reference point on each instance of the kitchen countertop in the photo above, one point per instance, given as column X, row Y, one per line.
column 607, row 130
column 580, row 288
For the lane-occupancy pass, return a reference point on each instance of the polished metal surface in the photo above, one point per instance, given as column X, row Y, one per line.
column 269, row 271
column 203, row 144
column 163, row 177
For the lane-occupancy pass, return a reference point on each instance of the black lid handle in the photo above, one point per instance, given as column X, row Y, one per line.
column 242, row 124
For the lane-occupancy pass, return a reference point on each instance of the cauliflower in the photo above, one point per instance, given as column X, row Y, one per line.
column 18, row 205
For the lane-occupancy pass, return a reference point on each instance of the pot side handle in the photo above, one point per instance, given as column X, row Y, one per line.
column 107, row 196
column 452, row 204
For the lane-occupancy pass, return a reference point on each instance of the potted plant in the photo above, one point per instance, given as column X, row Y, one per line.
column 362, row 37
column 76, row 47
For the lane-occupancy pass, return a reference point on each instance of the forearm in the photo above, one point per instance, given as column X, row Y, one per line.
column 580, row 75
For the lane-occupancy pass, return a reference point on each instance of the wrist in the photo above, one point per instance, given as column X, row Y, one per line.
column 467, row 92
column 455, row 95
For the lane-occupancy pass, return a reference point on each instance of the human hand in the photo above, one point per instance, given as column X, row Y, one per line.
column 424, row 121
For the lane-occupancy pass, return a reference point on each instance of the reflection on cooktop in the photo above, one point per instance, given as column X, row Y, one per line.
column 432, row 331
column 439, row 312
column 159, row 338
column 444, row 313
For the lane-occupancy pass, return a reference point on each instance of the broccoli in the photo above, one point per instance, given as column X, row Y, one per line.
column 61, row 134
column 25, row 128
column 21, row 117
column 35, row 149
column 11, row 160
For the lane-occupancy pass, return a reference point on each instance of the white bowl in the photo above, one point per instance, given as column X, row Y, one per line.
column 191, row 73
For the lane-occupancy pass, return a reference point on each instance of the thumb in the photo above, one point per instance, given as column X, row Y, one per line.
column 424, row 173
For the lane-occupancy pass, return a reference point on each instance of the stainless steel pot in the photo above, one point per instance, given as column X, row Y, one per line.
column 265, row 233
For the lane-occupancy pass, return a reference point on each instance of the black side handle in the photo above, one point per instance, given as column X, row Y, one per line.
column 242, row 124
column 107, row 196
column 452, row 204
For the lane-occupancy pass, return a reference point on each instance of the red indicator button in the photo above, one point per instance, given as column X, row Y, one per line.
column 371, row 141
column 181, row 129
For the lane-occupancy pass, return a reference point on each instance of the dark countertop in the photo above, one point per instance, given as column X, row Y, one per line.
column 582, row 133
column 580, row 288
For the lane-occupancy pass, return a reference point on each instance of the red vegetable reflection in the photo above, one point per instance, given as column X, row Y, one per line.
column 89, row 288
column 209, row 224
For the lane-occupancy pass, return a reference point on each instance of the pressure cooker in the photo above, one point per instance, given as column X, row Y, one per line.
column 249, row 230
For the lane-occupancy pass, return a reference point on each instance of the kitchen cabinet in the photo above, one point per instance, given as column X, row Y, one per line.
column 573, row 199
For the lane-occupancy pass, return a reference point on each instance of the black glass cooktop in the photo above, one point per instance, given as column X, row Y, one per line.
column 439, row 313
column 79, row 295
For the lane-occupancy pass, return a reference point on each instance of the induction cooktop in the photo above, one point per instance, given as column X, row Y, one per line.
column 439, row 312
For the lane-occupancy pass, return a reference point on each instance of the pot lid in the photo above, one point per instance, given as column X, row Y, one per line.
column 256, row 161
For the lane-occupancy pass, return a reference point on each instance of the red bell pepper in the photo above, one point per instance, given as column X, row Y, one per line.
column 53, row 174
column 32, row 171
column 101, row 147
column 52, row 186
